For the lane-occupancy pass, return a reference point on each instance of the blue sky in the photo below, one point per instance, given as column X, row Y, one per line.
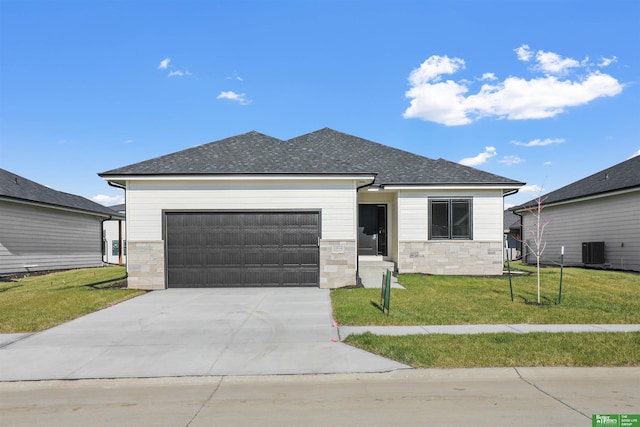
column 545, row 92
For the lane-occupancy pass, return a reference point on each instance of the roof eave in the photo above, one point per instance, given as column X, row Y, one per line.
column 460, row 186
column 231, row 176
column 532, row 203
column 106, row 215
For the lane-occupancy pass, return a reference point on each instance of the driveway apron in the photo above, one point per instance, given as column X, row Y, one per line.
column 194, row 332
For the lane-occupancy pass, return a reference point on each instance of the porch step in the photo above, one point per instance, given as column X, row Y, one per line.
column 372, row 274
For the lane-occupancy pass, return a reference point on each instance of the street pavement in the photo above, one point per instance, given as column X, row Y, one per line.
column 459, row 397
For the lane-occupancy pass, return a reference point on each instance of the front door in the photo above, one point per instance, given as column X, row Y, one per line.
column 372, row 230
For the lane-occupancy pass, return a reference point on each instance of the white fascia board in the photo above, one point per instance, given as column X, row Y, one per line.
column 287, row 177
column 453, row 187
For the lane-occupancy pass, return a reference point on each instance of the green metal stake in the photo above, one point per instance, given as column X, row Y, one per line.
column 561, row 268
column 387, row 291
column 506, row 245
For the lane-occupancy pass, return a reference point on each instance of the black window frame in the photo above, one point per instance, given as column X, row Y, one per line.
column 450, row 202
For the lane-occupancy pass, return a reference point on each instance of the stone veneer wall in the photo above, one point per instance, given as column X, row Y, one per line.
column 338, row 263
column 464, row 257
column 145, row 264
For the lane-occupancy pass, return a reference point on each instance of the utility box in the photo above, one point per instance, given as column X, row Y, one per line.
column 593, row 253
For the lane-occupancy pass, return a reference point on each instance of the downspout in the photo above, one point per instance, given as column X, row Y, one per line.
column 120, row 248
column 503, row 196
column 357, row 224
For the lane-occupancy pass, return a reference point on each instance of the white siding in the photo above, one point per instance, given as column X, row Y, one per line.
column 111, row 233
column 614, row 220
column 47, row 239
column 147, row 199
column 413, row 214
column 413, row 210
column 488, row 215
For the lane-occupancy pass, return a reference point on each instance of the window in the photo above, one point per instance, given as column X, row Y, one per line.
column 450, row 219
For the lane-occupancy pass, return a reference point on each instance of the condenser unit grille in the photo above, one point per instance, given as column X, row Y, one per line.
column 593, row 252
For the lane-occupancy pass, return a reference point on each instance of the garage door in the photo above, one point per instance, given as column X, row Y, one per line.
column 234, row 249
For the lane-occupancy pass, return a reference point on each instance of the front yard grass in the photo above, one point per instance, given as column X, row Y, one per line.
column 506, row 349
column 588, row 297
column 31, row 303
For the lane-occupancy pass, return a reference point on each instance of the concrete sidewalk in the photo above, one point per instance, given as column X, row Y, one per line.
column 345, row 331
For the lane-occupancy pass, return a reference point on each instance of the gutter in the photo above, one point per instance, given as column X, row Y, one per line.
column 120, row 241
column 357, row 224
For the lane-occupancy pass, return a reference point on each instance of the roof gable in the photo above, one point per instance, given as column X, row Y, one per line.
column 325, row 151
column 625, row 175
column 16, row 187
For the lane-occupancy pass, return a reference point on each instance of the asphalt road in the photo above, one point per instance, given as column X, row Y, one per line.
column 460, row 397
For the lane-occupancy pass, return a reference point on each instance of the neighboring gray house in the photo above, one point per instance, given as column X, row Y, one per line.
column 253, row 210
column 44, row 229
column 115, row 244
column 596, row 219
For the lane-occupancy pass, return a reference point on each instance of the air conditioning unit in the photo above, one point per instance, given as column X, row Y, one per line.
column 593, row 252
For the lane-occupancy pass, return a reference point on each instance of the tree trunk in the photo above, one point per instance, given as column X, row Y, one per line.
column 538, row 268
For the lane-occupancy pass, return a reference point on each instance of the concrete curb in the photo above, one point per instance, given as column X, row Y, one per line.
column 345, row 331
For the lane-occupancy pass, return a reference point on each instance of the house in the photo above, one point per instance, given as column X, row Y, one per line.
column 512, row 233
column 44, row 229
column 115, row 245
column 595, row 219
column 253, row 210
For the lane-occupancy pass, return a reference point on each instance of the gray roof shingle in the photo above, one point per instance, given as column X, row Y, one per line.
column 13, row 186
column 625, row 175
column 325, row 151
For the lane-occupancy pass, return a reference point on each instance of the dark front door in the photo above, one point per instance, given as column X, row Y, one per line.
column 372, row 230
column 242, row 249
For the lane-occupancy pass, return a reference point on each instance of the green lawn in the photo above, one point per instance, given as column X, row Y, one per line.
column 589, row 296
column 37, row 302
column 506, row 349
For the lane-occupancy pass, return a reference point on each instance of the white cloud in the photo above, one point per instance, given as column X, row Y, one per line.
column 240, row 98
column 235, row 77
column 488, row 76
column 533, row 188
column 164, row 64
column 433, row 68
column 108, row 200
column 552, row 63
column 173, row 72
column 547, row 163
column 128, row 141
column 179, row 73
column 514, row 98
column 637, row 153
column 539, row 142
column 605, row 62
column 481, row 158
column 524, row 53
column 511, row 160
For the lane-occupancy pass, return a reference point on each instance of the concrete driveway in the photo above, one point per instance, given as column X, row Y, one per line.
column 194, row 332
